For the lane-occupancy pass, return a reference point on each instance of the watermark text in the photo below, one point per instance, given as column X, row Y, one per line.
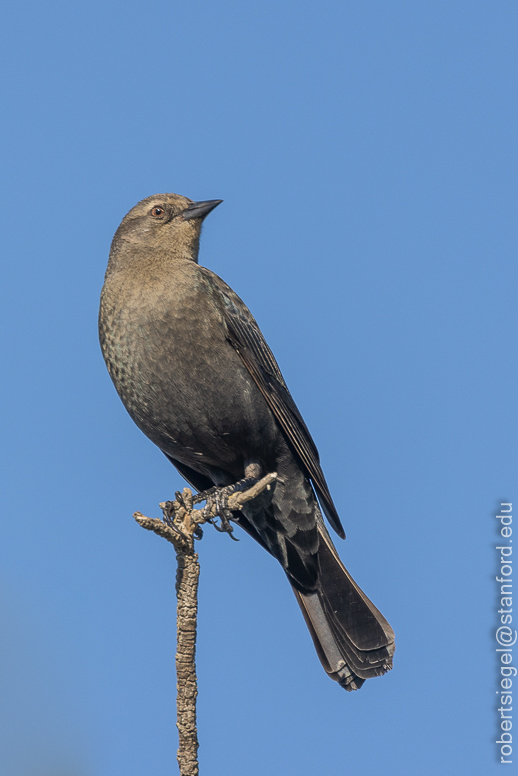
column 505, row 635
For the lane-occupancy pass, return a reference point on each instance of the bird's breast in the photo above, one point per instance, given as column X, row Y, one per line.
column 178, row 376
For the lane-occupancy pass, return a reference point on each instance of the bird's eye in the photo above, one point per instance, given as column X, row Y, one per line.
column 157, row 212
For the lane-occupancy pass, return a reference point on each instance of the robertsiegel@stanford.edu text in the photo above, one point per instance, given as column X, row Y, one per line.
column 505, row 636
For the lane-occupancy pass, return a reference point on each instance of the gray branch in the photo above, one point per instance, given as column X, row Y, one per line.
column 180, row 524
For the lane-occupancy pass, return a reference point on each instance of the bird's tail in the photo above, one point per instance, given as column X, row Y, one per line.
column 353, row 640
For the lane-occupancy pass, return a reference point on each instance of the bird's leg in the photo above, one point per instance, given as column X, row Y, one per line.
column 216, row 506
column 204, row 495
column 217, row 499
column 180, row 516
column 253, row 473
column 253, row 470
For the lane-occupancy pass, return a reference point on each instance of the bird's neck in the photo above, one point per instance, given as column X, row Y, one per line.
column 128, row 258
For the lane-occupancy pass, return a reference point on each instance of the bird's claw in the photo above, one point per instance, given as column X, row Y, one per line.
column 217, row 506
column 224, row 525
column 169, row 512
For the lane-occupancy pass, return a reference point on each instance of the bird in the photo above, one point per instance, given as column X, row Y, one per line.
column 196, row 375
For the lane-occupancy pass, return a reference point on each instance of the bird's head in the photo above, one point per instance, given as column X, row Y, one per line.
column 164, row 224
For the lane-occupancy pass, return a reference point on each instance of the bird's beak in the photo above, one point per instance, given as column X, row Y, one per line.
column 200, row 209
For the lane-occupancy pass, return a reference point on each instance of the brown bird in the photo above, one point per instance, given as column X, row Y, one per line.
column 196, row 375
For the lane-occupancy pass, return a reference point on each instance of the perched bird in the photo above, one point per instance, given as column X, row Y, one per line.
column 196, row 375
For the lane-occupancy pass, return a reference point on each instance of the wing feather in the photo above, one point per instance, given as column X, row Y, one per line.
column 247, row 339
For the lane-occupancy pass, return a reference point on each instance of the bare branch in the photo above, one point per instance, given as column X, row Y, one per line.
column 180, row 526
column 236, row 500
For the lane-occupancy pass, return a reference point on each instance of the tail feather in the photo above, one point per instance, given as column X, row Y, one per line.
column 353, row 640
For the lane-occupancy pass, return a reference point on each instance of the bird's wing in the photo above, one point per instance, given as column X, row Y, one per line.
column 246, row 337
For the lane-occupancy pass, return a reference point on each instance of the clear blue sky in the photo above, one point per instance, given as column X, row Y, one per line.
column 366, row 153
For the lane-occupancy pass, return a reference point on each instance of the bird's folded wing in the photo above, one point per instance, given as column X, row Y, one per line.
column 247, row 339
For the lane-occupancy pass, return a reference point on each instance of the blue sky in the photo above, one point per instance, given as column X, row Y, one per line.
column 366, row 155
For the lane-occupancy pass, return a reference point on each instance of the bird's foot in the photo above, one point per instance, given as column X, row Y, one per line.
column 182, row 522
column 217, row 505
column 224, row 524
column 173, row 511
column 204, row 495
column 220, row 502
